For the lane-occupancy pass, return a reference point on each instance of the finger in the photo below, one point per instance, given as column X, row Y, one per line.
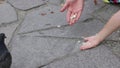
column 64, row 7
column 86, row 46
column 78, row 16
column 70, row 22
column 74, row 20
column 68, row 16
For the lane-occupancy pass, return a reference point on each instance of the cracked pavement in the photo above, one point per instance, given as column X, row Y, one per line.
column 38, row 35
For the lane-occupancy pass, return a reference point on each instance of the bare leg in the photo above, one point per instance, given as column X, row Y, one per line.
column 112, row 25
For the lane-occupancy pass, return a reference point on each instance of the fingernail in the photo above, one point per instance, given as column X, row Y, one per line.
column 81, row 49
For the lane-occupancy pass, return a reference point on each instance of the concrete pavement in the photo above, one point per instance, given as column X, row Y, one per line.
column 38, row 35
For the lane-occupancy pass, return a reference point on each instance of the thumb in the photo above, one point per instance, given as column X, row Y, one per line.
column 64, row 7
column 86, row 39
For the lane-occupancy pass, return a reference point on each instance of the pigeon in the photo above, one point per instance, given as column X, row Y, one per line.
column 5, row 56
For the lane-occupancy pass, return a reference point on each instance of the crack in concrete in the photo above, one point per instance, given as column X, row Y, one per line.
column 74, row 38
column 10, row 4
column 7, row 24
column 107, row 41
column 26, row 9
column 55, row 37
column 81, row 38
column 4, row 24
column 20, row 21
column 96, row 17
column 54, row 27
column 33, row 8
column 87, row 20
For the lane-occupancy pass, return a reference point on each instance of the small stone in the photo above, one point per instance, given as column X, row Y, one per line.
column 79, row 41
column 62, row 4
column 43, row 14
column 118, row 31
column 58, row 26
column 73, row 17
column 52, row 12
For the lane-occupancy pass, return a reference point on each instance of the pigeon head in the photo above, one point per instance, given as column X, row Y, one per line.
column 2, row 36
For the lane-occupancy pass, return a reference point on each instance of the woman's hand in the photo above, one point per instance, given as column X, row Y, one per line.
column 74, row 9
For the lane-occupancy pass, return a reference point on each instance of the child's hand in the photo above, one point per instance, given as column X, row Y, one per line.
column 74, row 8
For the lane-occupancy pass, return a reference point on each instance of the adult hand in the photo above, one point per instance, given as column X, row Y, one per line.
column 74, row 10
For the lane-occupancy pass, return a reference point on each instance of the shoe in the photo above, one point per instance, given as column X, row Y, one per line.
column 112, row 1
